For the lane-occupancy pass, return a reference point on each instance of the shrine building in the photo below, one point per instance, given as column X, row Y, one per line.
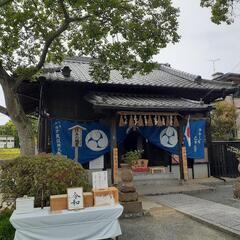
column 148, row 112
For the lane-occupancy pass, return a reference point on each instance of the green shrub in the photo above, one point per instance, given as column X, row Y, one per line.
column 6, row 229
column 41, row 176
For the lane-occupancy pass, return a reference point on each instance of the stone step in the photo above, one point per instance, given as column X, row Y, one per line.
column 149, row 179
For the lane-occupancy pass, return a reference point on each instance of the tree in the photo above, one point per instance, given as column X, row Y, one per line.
column 120, row 34
column 224, row 121
column 222, row 10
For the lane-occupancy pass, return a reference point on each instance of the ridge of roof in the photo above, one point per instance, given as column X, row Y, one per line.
column 162, row 76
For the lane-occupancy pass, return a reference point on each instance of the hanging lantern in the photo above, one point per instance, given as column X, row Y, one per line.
column 145, row 120
column 121, row 122
column 149, row 121
column 175, row 122
column 159, row 123
column 131, row 122
column 140, row 122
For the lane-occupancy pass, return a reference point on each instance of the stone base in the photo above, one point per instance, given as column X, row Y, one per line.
column 236, row 191
column 128, row 197
column 127, row 189
column 132, row 207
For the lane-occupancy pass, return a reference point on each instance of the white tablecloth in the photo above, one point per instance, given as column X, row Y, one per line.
column 87, row 224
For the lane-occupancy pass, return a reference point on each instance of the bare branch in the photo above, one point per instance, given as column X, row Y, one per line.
column 55, row 35
column 3, row 110
column 63, row 7
column 4, row 76
column 48, row 43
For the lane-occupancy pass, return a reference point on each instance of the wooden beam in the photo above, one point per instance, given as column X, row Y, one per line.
column 113, row 145
column 180, row 143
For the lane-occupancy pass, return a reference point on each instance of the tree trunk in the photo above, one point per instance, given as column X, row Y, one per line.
column 19, row 118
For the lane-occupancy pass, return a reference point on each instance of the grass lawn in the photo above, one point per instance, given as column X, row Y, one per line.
column 9, row 153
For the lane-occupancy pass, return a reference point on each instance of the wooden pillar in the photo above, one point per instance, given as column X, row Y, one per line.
column 208, row 144
column 180, row 141
column 43, row 128
column 114, row 150
column 43, row 134
column 184, row 163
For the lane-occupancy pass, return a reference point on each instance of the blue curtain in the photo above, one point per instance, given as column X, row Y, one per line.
column 95, row 140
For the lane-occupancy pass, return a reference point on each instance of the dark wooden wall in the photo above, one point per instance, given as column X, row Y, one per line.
column 223, row 163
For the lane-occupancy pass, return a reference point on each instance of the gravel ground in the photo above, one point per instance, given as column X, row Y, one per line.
column 167, row 224
column 223, row 194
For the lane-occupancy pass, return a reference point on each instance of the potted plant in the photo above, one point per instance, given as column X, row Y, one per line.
column 129, row 159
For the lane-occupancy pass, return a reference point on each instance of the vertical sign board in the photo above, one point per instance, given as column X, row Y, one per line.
column 185, row 164
column 115, row 165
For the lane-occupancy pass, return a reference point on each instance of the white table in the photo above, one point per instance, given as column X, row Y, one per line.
column 86, row 224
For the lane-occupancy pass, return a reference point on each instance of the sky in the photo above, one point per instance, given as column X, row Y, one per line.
column 201, row 41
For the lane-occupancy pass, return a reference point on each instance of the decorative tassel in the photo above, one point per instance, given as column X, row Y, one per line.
column 125, row 120
column 155, row 120
column 175, row 123
column 145, row 120
column 140, row 122
column 163, row 121
column 135, row 120
column 149, row 121
column 121, row 122
column 171, row 120
column 159, row 121
column 168, row 121
column 131, row 122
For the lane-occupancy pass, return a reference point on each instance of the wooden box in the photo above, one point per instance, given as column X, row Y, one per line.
column 108, row 196
column 58, row 202
column 88, row 199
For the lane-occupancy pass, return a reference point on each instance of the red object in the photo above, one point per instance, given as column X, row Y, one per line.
column 140, row 169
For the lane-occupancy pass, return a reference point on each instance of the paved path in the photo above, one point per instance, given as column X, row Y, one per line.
column 161, row 189
column 223, row 217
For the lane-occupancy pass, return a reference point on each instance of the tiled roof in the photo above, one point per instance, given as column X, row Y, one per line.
column 128, row 101
column 164, row 76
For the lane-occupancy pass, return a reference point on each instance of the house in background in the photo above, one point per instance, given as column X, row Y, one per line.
column 6, row 142
column 147, row 112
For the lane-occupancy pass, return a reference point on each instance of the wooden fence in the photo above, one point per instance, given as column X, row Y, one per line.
column 223, row 163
